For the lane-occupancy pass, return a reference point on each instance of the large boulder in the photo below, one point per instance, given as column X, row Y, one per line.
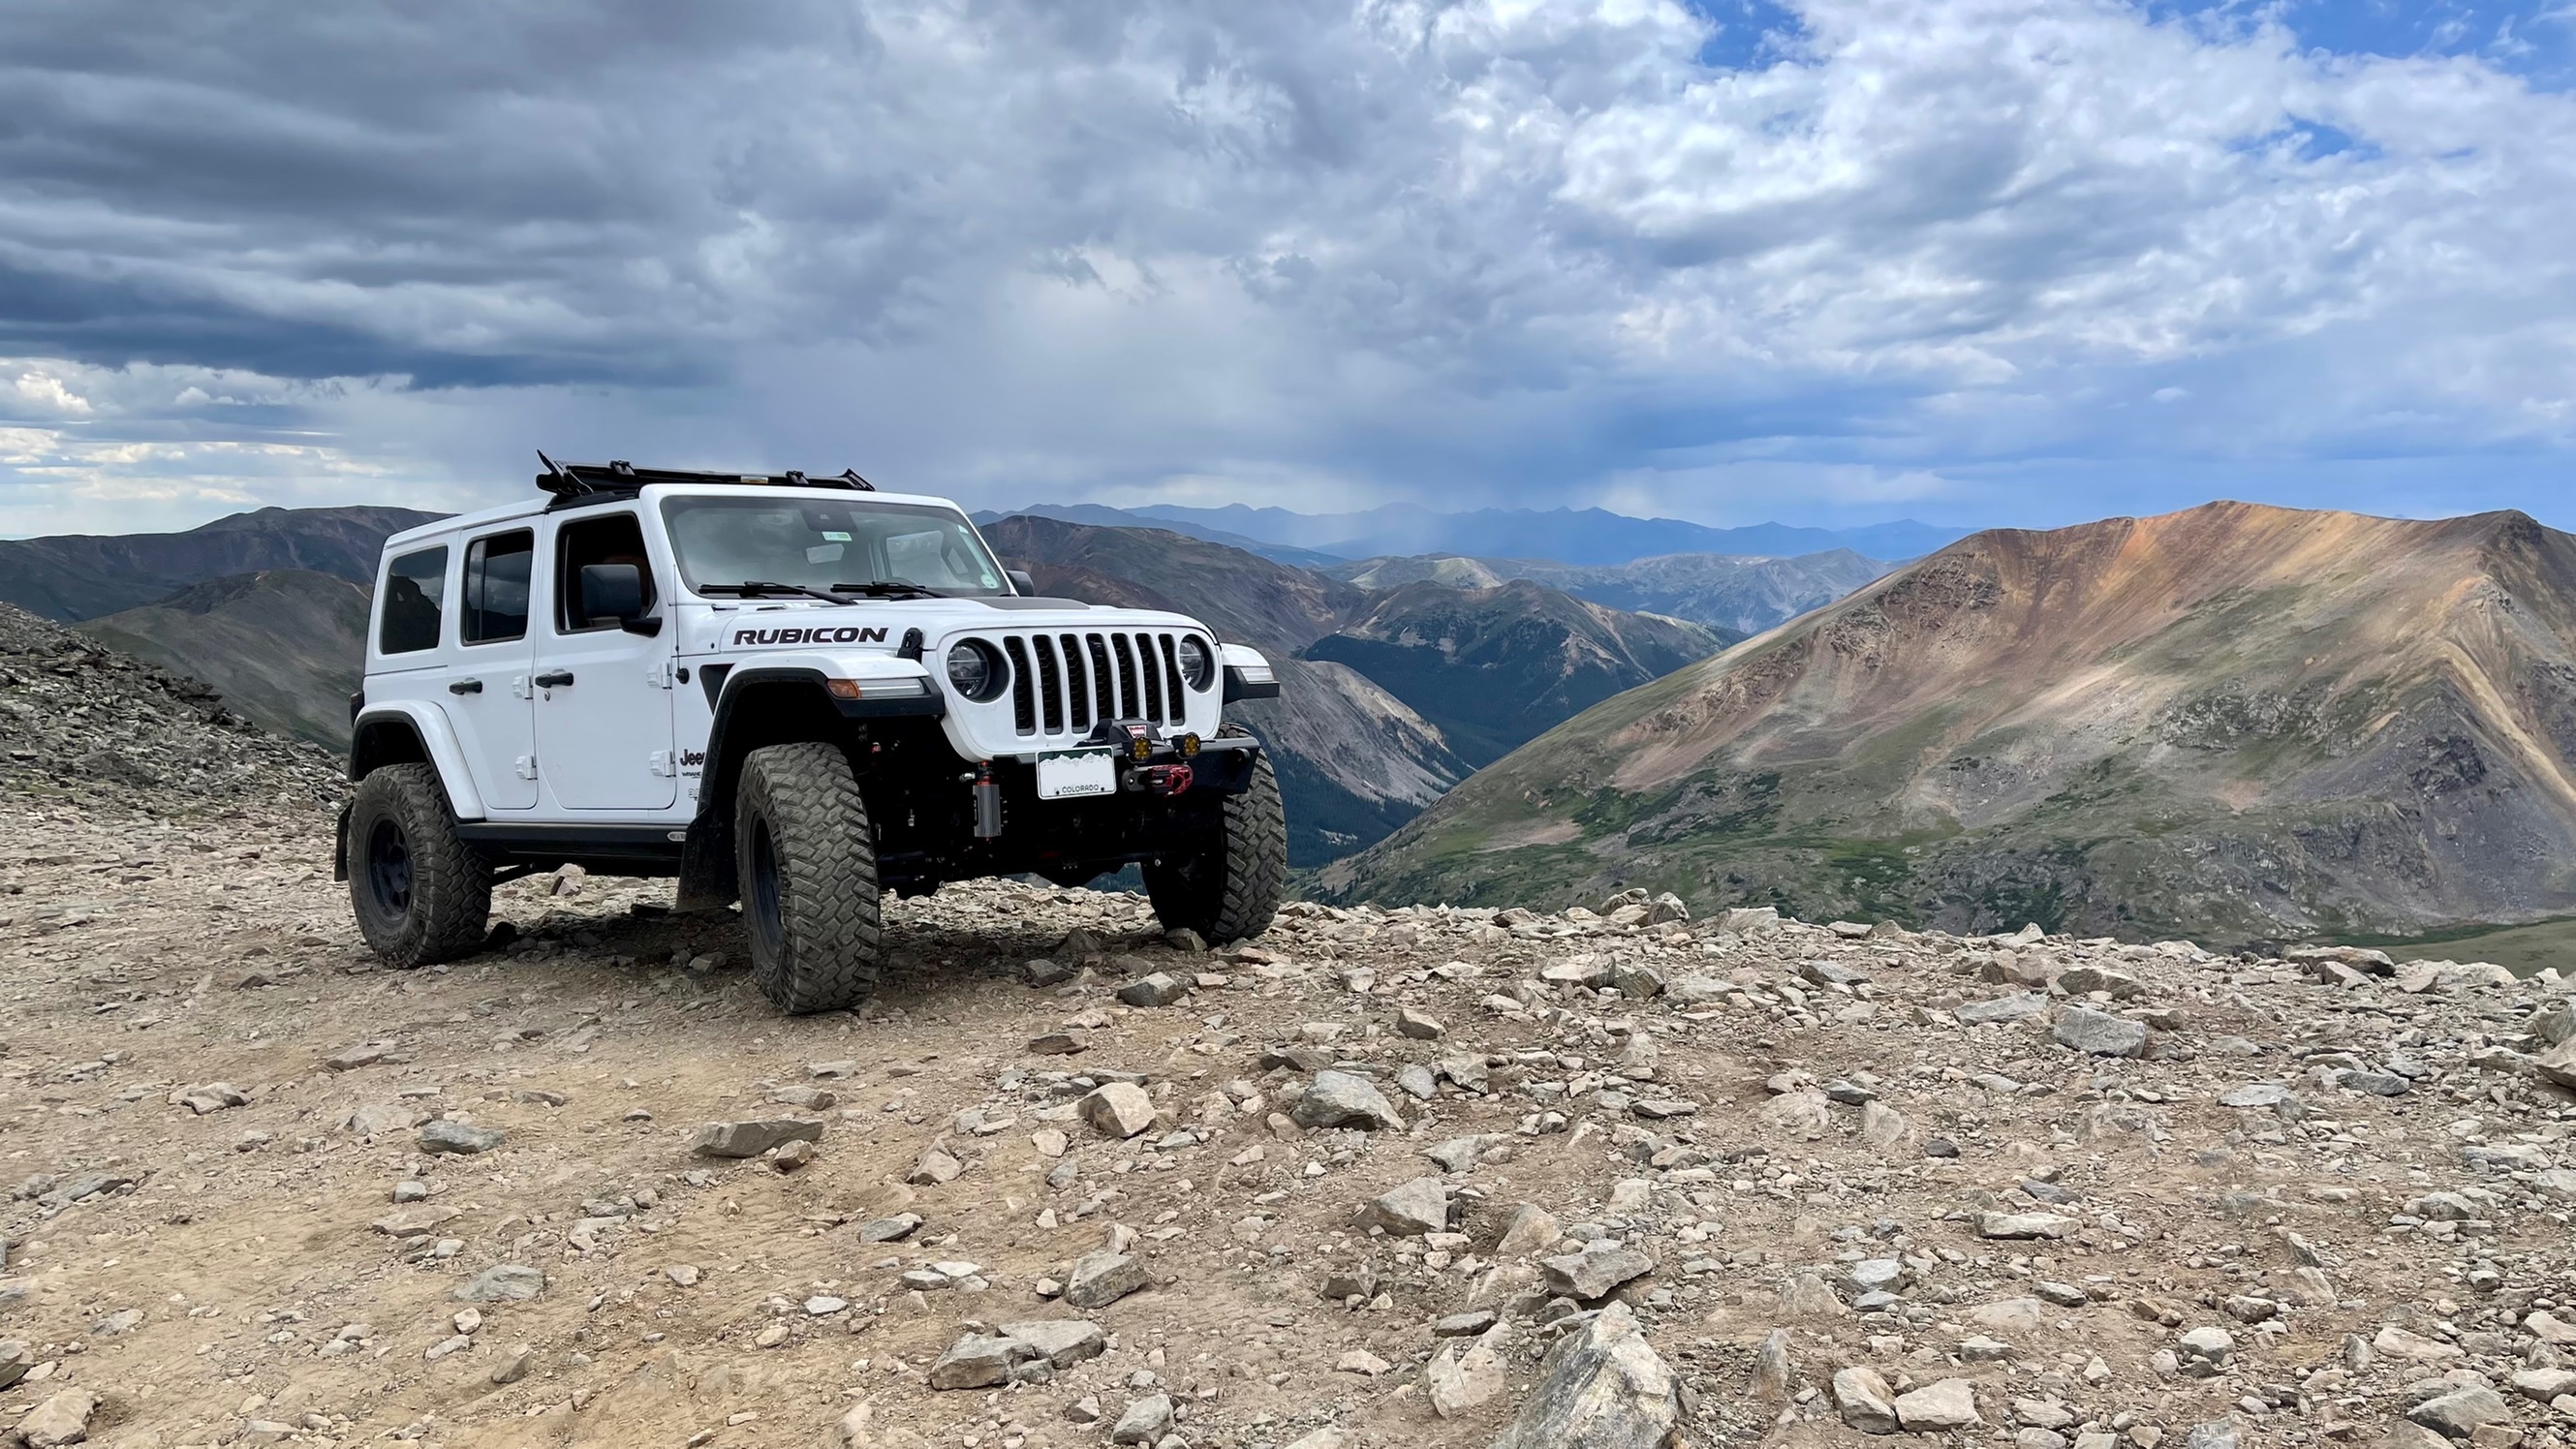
column 1339, row 1099
column 1863, row 1399
column 1602, row 1387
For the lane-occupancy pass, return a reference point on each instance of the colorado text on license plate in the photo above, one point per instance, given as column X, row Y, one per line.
column 1069, row 774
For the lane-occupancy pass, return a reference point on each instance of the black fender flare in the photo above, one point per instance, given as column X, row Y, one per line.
column 706, row 857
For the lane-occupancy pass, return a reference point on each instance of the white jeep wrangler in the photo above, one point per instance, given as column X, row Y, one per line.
column 796, row 692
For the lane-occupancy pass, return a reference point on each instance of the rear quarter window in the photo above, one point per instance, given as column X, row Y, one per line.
column 415, row 602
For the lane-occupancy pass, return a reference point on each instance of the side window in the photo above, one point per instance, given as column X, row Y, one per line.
column 615, row 539
column 415, row 592
column 496, row 588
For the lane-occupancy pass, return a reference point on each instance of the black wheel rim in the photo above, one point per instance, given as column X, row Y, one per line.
column 389, row 868
column 762, row 893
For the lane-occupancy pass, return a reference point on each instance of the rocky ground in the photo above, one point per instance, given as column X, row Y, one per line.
column 1381, row 1178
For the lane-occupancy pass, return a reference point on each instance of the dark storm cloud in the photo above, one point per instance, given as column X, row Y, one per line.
column 1606, row 250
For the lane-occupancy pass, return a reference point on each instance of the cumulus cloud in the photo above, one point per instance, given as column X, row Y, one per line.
column 1314, row 252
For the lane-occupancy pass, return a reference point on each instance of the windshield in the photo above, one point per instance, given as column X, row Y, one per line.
column 816, row 544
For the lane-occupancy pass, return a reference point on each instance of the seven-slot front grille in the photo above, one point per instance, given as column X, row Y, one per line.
column 1062, row 684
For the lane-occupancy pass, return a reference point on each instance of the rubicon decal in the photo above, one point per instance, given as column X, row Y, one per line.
column 817, row 635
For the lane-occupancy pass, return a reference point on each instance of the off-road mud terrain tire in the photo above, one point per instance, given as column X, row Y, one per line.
column 807, row 862
column 420, row 893
column 1229, row 890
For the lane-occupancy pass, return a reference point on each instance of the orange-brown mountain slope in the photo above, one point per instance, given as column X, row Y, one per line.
column 2234, row 721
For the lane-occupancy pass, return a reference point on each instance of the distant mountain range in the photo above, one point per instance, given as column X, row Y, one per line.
column 1388, row 698
column 1559, row 535
column 2234, row 723
column 71, row 577
column 1734, row 595
column 1493, row 667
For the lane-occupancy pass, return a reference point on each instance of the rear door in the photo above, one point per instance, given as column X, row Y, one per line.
column 603, row 694
column 407, row 638
column 489, row 700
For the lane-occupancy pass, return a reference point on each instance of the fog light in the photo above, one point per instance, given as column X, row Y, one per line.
column 1189, row 746
column 1140, row 748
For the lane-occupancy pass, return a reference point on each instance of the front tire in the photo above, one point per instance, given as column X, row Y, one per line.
column 1229, row 888
column 421, row 894
column 807, row 862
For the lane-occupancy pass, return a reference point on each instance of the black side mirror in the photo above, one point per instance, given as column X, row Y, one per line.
column 614, row 591
column 1021, row 583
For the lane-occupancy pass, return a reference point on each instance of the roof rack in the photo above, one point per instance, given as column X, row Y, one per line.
column 575, row 485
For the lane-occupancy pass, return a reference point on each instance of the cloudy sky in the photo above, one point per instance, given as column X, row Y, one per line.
column 1969, row 261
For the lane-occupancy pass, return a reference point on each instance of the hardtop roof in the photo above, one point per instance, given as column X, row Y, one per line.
column 530, row 508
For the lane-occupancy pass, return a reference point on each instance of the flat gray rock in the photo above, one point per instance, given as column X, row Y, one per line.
column 2098, row 1033
column 1160, row 989
column 1591, row 1275
column 979, row 1361
column 1936, row 1407
column 1144, row 1422
column 1411, row 1209
column 754, row 1137
column 1102, row 1278
column 505, row 1283
column 2009, row 1226
column 1062, row 1342
column 890, row 1230
column 2001, row 1008
column 2461, row 1412
column 460, row 1138
column 1458, row 1154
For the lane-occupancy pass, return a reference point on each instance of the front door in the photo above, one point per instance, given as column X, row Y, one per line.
column 603, row 693
column 488, row 695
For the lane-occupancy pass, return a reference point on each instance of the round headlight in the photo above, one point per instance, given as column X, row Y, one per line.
column 975, row 671
column 1198, row 663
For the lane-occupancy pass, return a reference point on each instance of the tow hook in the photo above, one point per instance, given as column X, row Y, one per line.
column 1165, row 779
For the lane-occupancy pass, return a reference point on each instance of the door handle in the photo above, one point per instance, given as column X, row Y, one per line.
column 555, row 680
column 466, row 686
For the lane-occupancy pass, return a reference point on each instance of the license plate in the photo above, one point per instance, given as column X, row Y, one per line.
column 1072, row 774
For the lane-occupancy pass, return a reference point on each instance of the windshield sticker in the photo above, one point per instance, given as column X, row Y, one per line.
column 820, row 634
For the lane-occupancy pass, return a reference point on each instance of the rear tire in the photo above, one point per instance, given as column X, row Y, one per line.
column 1229, row 889
column 421, row 894
column 807, row 862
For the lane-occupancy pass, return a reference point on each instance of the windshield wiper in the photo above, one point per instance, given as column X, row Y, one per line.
column 889, row 589
column 758, row 588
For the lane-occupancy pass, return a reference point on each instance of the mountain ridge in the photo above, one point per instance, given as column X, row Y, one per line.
column 2234, row 718
column 71, row 577
column 284, row 647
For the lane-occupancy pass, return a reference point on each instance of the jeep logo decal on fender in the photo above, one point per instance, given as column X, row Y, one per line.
column 809, row 636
